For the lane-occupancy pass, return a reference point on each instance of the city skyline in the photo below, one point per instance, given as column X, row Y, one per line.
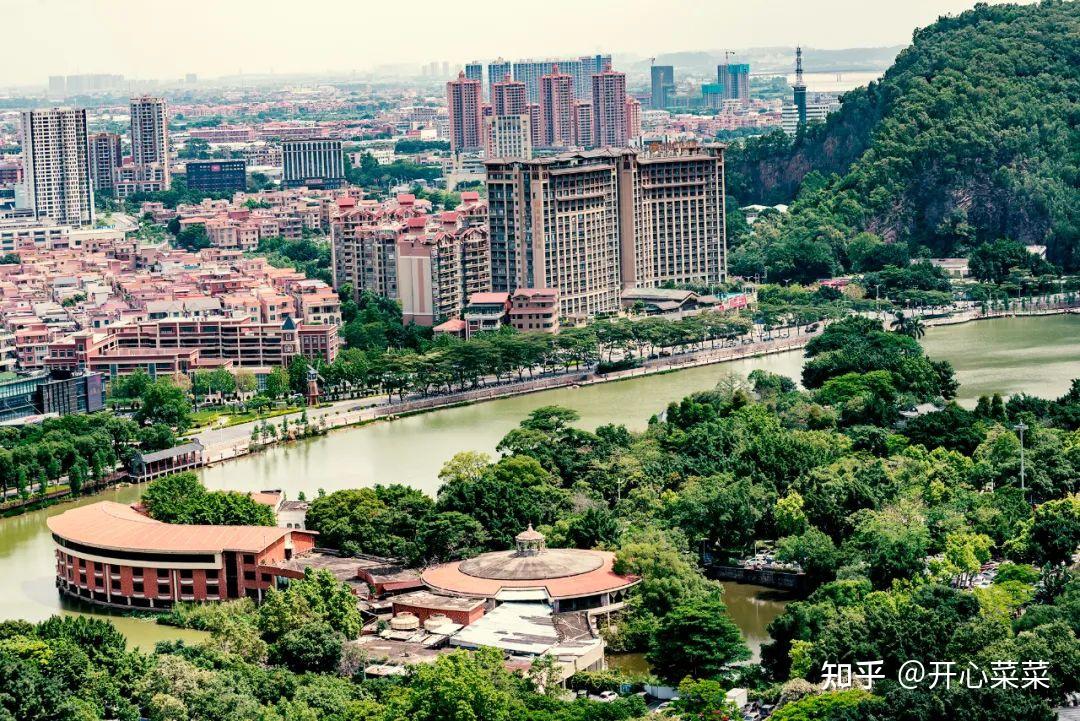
column 681, row 26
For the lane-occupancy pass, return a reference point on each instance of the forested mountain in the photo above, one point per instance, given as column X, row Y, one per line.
column 971, row 136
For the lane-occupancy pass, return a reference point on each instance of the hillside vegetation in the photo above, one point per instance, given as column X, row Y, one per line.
column 972, row 135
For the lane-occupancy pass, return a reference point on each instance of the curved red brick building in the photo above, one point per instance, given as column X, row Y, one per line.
column 110, row 554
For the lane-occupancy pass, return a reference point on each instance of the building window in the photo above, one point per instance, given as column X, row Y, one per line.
column 249, row 558
column 163, row 589
column 249, row 575
column 137, row 587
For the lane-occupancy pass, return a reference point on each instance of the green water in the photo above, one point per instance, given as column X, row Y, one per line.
column 1034, row 355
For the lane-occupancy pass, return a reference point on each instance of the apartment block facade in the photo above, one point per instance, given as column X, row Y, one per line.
column 150, row 141
column 593, row 223
column 609, row 109
column 180, row 345
column 557, row 109
column 56, row 157
column 431, row 264
column 464, row 99
column 105, row 158
column 508, row 136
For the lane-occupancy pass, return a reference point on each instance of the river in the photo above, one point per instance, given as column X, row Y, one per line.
column 1033, row 355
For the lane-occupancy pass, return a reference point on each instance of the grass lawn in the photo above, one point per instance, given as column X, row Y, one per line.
column 223, row 417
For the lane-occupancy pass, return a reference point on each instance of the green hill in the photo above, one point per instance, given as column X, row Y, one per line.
column 972, row 135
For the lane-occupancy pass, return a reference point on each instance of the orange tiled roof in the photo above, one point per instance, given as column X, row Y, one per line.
column 449, row 578
column 117, row 526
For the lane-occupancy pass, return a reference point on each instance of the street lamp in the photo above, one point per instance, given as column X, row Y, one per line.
column 1020, row 428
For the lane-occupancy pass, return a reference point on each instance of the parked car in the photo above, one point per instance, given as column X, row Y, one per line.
column 608, row 695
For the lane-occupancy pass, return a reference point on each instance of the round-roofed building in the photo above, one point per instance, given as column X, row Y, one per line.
column 566, row 578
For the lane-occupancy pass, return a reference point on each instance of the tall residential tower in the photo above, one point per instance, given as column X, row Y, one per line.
column 609, row 108
column 56, row 159
column 150, row 138
column 465, row 103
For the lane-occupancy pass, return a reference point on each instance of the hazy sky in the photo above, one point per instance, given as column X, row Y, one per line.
column 158, row 39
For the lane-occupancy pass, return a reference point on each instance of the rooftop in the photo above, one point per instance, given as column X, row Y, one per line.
column 120, row 527
column 434, row 601
column 556, row 573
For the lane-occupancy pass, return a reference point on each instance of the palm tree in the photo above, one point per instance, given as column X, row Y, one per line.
column 908, row 325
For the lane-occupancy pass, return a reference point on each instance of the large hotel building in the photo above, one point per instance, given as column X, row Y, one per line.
column 595, row 223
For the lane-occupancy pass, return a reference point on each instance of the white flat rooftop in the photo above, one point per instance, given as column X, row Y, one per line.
column 526, row 628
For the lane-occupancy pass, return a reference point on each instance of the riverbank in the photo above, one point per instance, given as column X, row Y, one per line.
column 353, row 413
column 336, row 418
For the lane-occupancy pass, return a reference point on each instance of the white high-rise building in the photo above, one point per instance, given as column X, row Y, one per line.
column 508, row 136
column 150, row 138
column 815, row 113
column 57, row 165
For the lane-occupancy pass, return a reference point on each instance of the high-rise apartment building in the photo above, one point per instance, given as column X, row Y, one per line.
column 431, row 264
column 150, row 138
column 588, row 66
column 735, row 79
column 633, row 118
column 609, row 108
column 508, row 97
column 594, row 223
column 312, row 162
column 535, row 121
column 105, row 158
column 475, row 71
column 56, row 158
column 663, row 86
column 464, row 100
column 530, row 72
column 556, row 109
column 508, row 136
column 583, row 125
column 497, row 72
column 682, row 236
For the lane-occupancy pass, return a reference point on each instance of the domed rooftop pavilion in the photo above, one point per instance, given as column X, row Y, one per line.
column 569, row 579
